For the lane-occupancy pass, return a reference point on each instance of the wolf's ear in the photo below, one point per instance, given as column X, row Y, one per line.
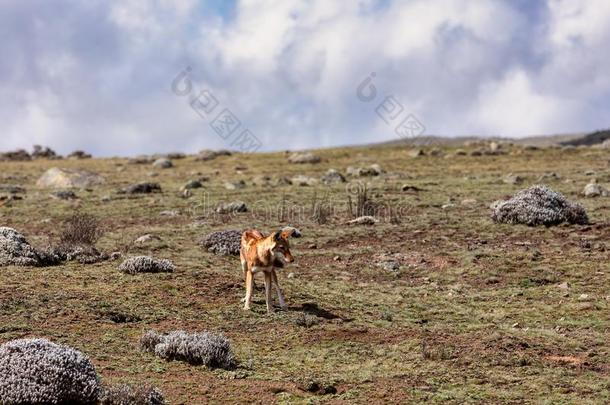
column 277, row 236
column 290, row 231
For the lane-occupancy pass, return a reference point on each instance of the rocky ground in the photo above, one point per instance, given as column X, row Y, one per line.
column 423, row 297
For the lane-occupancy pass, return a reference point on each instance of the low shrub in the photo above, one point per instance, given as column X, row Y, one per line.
column 204, row 348
column 37, row 371
column 124, row 394
column 222, row 242
column 538, row 205
column 146, row 264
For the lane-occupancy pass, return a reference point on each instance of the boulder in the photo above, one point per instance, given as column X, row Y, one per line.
column 69, row 178
column 163, row 163
column 305, row 157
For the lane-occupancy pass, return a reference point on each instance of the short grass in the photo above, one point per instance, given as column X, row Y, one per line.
column 474, row 314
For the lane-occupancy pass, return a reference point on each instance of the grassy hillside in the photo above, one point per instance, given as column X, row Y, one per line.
column 475, row 311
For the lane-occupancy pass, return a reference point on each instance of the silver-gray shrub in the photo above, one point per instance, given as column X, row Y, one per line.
column 146, row 264
column 124, row 394
column 223, row 242
column 15, row 249
column 204, row 348
column 37, row 371
column 538, row 205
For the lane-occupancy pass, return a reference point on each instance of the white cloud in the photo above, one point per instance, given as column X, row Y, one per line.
column 97, row 75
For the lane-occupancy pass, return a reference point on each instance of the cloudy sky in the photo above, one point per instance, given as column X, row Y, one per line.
column 104, row 76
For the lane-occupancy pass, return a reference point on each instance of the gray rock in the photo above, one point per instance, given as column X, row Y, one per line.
column 141, row 188
column 64, row 195
column 192, row 184
column 232, row 207
column 11, row 189
column 301, row 180
column 305, row 157
column 364, row 220
column 69, row 178
column 146, row 239
column 235, row 185
column 261, row 180
column 373, row 170
column 163, row 163
column 206, row 155
column 332, row 176
column 513, row 179
column 391, row 265
column 595, row 190
column 141, row 160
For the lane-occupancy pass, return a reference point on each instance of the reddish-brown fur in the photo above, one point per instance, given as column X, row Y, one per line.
column 260, row 253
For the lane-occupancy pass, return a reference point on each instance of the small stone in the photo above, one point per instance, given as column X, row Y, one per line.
column 141, row 188
column 305, row 157
column 563, row 286
column 469, row 201
column 64, row 195
column 364, row 220
column 313, row 246
column 391, row 265
column 302, row 180
column 146, row 239
column 417, row 153
column 290, row 275
column 235, row 185
column 232, row 207
column 583, row 297
column 163, row 163
column 332, row 176
column 513, row 179
column 592, row 190
column 192, row 184
column 337, row 258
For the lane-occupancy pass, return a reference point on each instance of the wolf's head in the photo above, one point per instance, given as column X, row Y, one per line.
column 281, row 246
